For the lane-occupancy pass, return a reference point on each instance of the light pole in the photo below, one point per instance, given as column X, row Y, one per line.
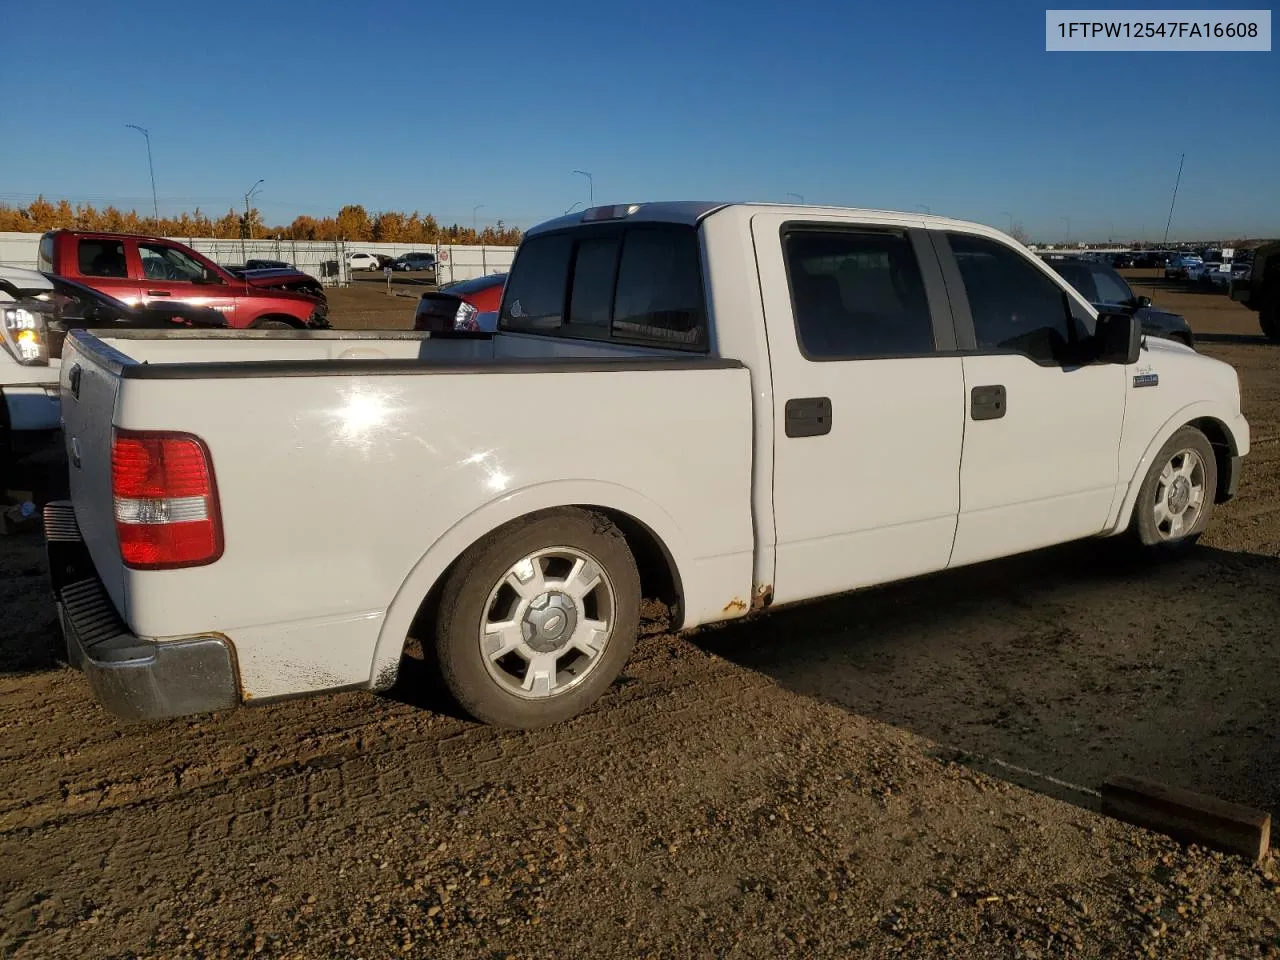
column 473, row 218
column 1006, row 213
column 924, row 207
column 591, row 186
column 248, row 223
column 155, row 206
column 576, row 203
column 1066, row 237
column 1181, row 157
column 1111, row 230
column 798, row 196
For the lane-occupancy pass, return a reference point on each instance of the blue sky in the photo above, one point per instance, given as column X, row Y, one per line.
column 440, row 106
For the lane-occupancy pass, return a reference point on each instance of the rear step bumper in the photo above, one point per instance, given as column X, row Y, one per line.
column 131, row 677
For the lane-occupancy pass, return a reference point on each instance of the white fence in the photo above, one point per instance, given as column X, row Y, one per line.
column 323, row 259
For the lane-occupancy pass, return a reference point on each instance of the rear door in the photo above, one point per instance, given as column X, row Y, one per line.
column 868, row 403
column 166, row 274
column 1042, row 427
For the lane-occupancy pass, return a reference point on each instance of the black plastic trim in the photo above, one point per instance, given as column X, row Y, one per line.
column 961, row 316
column 1232, row 483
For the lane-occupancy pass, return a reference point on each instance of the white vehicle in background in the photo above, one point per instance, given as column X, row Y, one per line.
column 362, row 261
column 29, row 417
column 724, row 406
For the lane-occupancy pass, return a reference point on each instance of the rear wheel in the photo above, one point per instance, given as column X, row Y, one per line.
column 537, row 619
column 1176, row 499
column 274, row 325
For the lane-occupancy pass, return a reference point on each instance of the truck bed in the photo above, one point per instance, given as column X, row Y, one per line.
column 346, row 464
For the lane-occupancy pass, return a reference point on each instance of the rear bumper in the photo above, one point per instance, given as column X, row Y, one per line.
column 132, row 677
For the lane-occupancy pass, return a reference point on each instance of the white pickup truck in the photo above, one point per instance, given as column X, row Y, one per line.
column 28, row 376
column 725, row 406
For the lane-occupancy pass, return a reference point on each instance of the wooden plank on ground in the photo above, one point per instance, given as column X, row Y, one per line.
column 1188, row 816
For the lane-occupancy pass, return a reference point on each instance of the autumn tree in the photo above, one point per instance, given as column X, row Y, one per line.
column 352, row 223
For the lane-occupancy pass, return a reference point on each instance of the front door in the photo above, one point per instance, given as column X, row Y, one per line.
column 168, row 274
column 1042, row 427
column 868, row 397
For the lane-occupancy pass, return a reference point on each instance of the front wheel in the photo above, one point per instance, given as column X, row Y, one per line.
column 1177, row 495
column 538, row 618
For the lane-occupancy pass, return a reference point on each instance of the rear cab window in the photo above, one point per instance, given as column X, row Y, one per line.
column 636, row 284
column 46, row 254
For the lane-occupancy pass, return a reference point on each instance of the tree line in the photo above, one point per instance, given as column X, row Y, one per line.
column 351, row 223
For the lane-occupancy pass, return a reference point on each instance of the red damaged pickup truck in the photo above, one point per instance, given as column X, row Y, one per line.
column 148, row 270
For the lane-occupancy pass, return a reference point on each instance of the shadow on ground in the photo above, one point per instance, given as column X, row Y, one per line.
column 1076, row 663
column 1252, row 340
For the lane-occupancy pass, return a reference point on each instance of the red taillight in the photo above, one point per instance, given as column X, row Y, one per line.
column 166, row 505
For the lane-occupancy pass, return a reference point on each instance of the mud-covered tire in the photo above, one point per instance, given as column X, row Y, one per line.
column 479, row 597
column 274, row 325
column 1153, row 527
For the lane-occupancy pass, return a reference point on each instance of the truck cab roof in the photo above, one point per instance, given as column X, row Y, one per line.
column 692, row 212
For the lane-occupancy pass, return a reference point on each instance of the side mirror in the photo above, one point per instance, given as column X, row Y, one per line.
column 1119, row 338
column 1142, row 302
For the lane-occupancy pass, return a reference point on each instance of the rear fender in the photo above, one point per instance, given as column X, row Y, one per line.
column 441, row 554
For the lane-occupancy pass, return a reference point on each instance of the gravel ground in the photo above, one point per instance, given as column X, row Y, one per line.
column 906, row 772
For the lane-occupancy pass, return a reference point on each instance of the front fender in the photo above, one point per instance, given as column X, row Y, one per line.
column 1237, row 429
column 519, row 503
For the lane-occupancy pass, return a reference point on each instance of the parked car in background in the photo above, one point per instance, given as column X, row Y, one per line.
column 363, row 261
column 147, row 271
column 1122, row 260
column 1178, row 264
column 259, row 264
column 727, row 407
column 415, row 262
column 1109, row 292
column 461, row 305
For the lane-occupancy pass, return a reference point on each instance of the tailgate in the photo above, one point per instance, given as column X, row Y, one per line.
column 88, row 391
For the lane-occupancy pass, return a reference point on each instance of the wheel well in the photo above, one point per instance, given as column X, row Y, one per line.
column 1223, row 450
column 658, row 577
column 280, row 317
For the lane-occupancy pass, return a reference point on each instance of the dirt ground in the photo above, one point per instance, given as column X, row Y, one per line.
column 906, row 772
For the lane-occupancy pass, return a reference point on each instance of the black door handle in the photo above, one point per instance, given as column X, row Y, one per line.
column 987, row 403
column 74, row 380
column 808, row 417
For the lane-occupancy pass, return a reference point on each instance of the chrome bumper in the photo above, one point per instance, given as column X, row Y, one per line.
column 132, row 677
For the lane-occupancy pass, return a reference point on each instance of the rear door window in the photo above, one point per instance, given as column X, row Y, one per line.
column 857, row 294
column 102, row 258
